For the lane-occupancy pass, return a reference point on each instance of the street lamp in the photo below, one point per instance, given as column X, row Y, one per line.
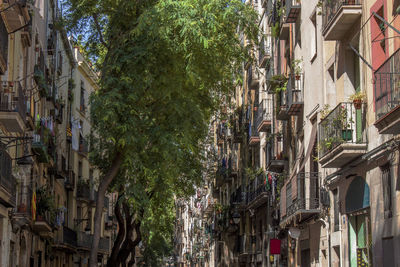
column 236, row 217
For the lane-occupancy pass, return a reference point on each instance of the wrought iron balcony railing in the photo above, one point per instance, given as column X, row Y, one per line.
column 10, row 103
column 331, row 8
column 70, row 237
column 344, row 124
column 264, row 50
column 387, row 86
column 83, row 190
column 24, row 199
column 252, row 77
column 264, row 114
column 3, row 47
column 7, row 180
column 292, row 10
column 294, row 93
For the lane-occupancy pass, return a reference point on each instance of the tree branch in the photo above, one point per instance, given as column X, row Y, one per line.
column 98, row 28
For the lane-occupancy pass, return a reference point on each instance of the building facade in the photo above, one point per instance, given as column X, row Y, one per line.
column 308, row 147
column 47, row 184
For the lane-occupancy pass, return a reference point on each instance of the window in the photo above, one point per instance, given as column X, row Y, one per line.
column 387, row 190
column 313, row 41
column 336, row 219
column 82, row 103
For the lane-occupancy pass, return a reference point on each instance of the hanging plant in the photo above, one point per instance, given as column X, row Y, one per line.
column 358, row 98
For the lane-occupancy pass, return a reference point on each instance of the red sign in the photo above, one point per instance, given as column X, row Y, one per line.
column 274, row 247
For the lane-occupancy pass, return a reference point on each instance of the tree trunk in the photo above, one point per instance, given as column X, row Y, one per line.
column 112, row 261
column 104, row 183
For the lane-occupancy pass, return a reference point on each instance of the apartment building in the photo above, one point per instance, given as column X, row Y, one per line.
column 308, row 157
column 46, row 217
column 193, row 232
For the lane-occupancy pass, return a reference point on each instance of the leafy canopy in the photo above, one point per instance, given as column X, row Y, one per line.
column 164, row 65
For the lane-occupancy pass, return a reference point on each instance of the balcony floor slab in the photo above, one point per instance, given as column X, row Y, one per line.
column 342, row 154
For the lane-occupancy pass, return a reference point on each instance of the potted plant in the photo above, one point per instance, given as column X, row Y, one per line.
column 296, row 68
column 358, row 98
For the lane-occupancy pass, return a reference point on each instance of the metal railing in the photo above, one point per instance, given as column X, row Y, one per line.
column 292, row 10
column 7, row 180
column 331, row 7
column 9, row 103
column 83, row 146
column 253, row 133
column 70, row 237
column 265, row 48
column 104, row 244
column 264, row 112
column 3, row 46
column 294, row 90
column 387, row 85
column 24, row 200
column 302, row 204
column 84, row 240
column 252, row 77
column 239, row 197
column 344, row 124
column 233, row 163
column 257, row 188
column 83, row 190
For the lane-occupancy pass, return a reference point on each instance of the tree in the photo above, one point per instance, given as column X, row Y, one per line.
column 163, row 66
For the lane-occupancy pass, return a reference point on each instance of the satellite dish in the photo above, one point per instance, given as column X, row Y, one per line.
column 294, row 233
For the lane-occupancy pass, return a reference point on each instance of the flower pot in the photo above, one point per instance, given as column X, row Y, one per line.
column 347, row 134
column 297, row 77
column 357, row 103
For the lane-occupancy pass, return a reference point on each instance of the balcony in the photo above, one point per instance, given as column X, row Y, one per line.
column 233, row 165
column 221, row 133
column 15, row 14
column 43, row 224
column 252, row 78
column 281, row 106
column 40, row 78
column 66, row 239
column 104, row 244
column 69, row 182
column 387, row 96
column 264, row 51
column 3, row 47
column 7, row 180
column 294, row 93
column 239, row 198
column 22, row 215
column 245, row 250
column 254, row 136
column 302, row 198
column 85, row 242
column 342, row 136
column 12, row 108
column 83, row 146
column 237, row 127
column 293, row 8
column 338, row 17
column 257, row 194
column 284, row 27
column 83, row 190
column 264, row 115
column 39, row 145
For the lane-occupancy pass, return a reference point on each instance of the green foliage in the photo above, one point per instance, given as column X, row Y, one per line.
column 253, row 173
column 164, row 66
